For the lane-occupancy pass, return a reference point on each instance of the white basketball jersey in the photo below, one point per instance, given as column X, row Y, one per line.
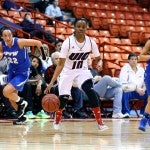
column 76, row 54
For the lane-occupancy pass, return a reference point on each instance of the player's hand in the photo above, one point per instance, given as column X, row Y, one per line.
column 43, row 54
column 48, row 88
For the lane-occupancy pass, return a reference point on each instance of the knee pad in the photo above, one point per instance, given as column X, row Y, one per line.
column 93, row 97
column 63, row 100
column 87, row 85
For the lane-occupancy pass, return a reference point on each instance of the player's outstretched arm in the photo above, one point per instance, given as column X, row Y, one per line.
column 32, row 42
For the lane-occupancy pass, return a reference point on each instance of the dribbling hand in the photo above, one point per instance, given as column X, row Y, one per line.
column 48, row 88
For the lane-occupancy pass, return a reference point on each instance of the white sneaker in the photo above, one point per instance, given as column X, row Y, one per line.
column 118, row 115
column 102, row 127
column 56, row 126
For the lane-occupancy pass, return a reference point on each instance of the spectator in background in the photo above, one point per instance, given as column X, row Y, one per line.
column 33, row 91
column 76, row 93
column 57, row 47
column 41, row 5
column 48, row 61
column 108, row 88
column 132, row 79
column 35, row 29
column 10, row 5
column 54, row 11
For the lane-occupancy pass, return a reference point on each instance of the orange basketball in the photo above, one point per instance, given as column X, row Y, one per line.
column 50, row 103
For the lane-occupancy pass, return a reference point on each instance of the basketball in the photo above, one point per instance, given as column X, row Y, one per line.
column 50, row 103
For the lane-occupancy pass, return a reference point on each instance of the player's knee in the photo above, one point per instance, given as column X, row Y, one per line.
column 87, row 85
column 63, row 100
column 5, row 92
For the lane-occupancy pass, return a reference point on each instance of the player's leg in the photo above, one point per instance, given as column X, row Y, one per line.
column 58, row 114
column 93, row 97
column 64, row 87
column 11, row 92
column 146, row 115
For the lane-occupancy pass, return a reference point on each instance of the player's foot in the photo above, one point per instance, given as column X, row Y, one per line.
column 102, row 127
column 42, row 115
column 56, row 126
column 21, row 108
column 57, row 120
column 143, row 123
column 149, row 121
column 20, row 121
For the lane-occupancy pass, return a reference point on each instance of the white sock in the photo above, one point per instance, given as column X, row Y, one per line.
column 18, row 99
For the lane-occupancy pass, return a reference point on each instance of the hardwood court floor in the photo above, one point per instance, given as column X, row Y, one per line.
column 74, row 135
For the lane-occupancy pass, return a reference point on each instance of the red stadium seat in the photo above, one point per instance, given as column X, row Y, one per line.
column 2, row 11
column 120, row 15
column 136, row 49
column 125, row 41
column 62, row 4
column 115, row 41
column 126, row 48
column 138, row 16
column 121, row 22
column 114, row 49
column 104, row 33
column 111, row 14
column 95, row 22
column 134, row 37
column 78, row 12
column 41, row 22
column 129, row 15
column 139, row 23
column 88, row 13
column 114, row 30
column 104, row 40
column 130, row 22
column 14, row 14
column 123, row 31
column 94, row 33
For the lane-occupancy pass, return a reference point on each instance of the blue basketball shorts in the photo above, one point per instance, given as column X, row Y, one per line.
column 18, row 79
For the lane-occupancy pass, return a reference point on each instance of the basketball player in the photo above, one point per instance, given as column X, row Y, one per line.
column 145, row 56
column 73, row 67
column 14, row 49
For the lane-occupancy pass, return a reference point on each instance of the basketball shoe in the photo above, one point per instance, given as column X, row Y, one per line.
column 57, row 120
column 20, row 121
column 56, row 126
column 22, row 104
column 102, row 127
column 143, row 123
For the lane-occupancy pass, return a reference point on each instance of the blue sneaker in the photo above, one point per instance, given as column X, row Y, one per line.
column 42, row 115
column 149, row 121
column 30, row 115
column 143, row 123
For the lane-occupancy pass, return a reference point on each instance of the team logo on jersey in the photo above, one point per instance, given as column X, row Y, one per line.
column 78, row 59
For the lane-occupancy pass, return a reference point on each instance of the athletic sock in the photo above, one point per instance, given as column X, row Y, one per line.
column 97, row 114
column 19, row 101
column 58, row 116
